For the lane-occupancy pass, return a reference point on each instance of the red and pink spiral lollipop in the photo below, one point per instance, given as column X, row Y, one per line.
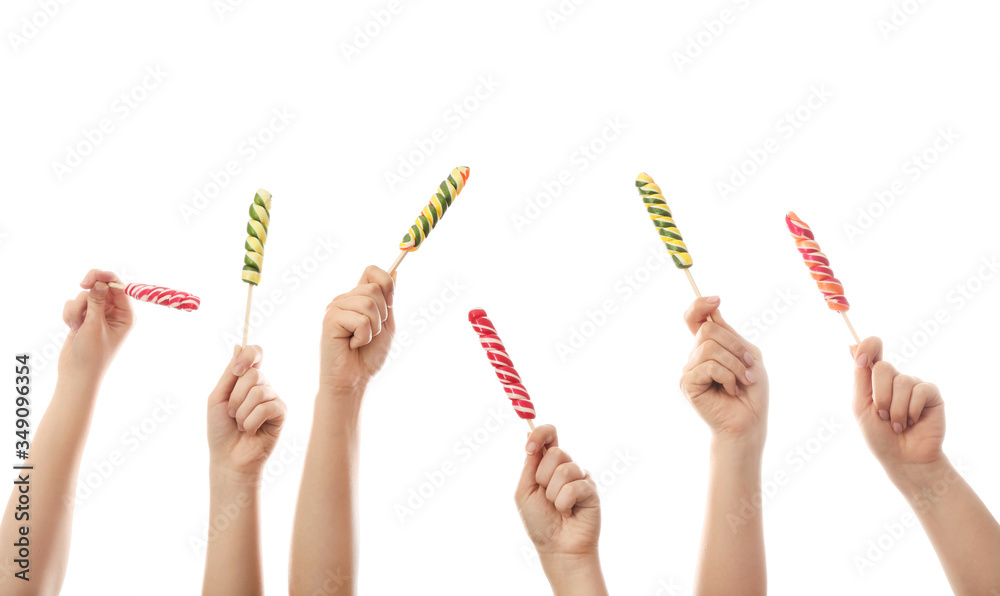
column 502, row 365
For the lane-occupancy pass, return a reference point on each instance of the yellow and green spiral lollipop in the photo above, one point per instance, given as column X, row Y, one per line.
column 260, row 218
column 434, row 211
column 659, row 212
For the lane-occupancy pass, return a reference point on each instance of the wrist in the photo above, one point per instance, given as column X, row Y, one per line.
column 914, row 480
column 746, row 447
column 343, row 401
column 77, row 385
column 225, row 478
column 577, row 574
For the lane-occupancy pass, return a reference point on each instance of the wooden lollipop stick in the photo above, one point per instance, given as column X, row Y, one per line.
column 694, row 287
column 851, row 327
column 399, row 259
column 530, row 423
column 116, row 285
column 246, row 323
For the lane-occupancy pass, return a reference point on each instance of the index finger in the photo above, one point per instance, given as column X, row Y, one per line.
column 95, row 275
column 539, row 440
column 242, row 361
column 374, row 275
column 866, row 354
column 699, row 312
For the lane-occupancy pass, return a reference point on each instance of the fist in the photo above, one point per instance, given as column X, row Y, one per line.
column 724, row 378
column 557, row 499
column 245, row 416
column 357, row 333
column 901, row 417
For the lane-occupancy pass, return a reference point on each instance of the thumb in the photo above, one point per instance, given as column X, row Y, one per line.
column 866, row 354
column 97, row 299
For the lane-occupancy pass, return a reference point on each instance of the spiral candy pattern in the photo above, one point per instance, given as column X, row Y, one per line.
column 818, row 263
column 260, row 219
column 659, row 212
column 434, row 211
column 502, row 364
column 163, row 296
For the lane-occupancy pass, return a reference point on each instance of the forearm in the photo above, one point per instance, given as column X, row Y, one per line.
column 233, row 561
column 43, row 498
column 965, row 535
column 732, row 559
column 324, row 536
column 571, row 575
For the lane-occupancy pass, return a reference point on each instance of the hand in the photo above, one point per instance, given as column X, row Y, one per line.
column 357, row 333
column 244, row 417
column 557, row 500
column 901, row 417
column 99, row 320
column 724, row 378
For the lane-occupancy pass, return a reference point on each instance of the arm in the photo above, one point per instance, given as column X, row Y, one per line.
column 727, row 384
column 357, row 334
column 245, row 416
column 99, row 320
column 902, row 419
column 561, row 511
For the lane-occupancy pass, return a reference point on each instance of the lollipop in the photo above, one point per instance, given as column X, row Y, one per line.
column 502, row 364
column 659, row 212
column 160, row 295
column 260, row 218
column 819, row 268
column 253, row 261
column 432, row 213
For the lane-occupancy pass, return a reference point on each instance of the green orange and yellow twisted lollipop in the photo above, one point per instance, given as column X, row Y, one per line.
column 260, row 219
column 432, row 213
column 659, row 212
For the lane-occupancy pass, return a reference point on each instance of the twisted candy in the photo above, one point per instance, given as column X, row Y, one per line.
column 501, row 362
column 659, row 212
column 260, row 218
column 434, row 211
column 818, row 263
column 163, row 296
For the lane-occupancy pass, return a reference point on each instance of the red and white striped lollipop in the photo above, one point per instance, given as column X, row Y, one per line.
column 502, row 365
column 160, row 295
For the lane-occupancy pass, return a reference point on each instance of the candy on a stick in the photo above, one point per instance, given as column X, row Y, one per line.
column 663, row 219
column 447, row 192
column 502, row 364
column 253, row 261
column 260, row 218
column 819, row 268
column 659, row 212
column 160, row 295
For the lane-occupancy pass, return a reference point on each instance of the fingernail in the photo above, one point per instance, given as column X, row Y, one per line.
column 750, row 378
column 530, row 449
column 239, row 427
column 712, row 300
column 232, row 413
column 883, row 414
column 747, row 358
column 897, row 427
column 238, row 369
column 862, row 360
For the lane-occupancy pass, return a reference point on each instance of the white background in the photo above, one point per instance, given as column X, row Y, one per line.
column 555, row 85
